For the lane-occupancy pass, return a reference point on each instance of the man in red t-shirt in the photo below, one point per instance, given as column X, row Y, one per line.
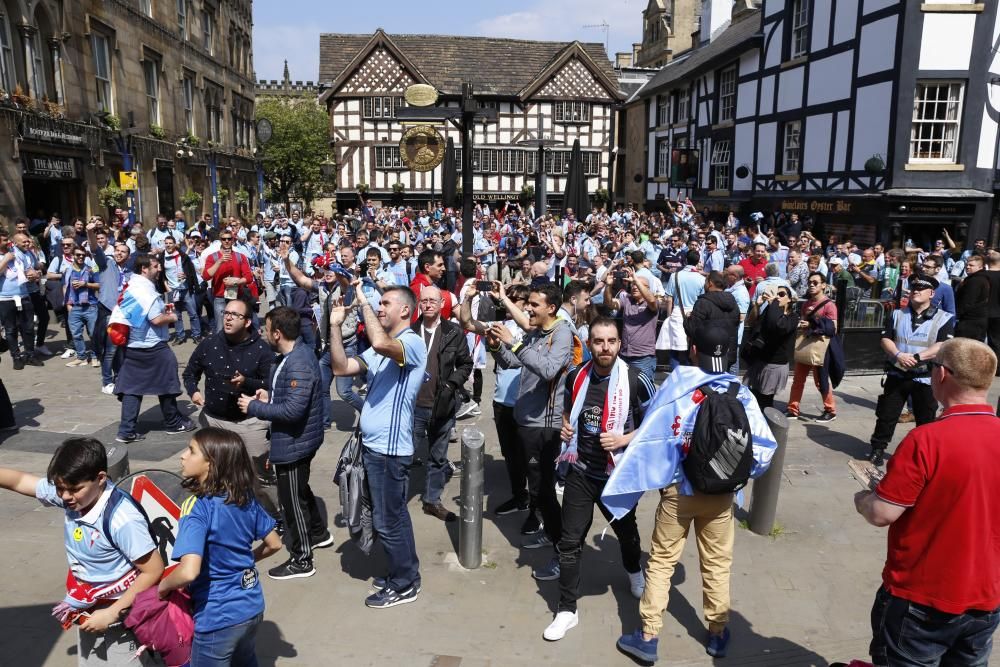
column 941, row 580
column 753, row 266
column 229, row 274
column 430, row 268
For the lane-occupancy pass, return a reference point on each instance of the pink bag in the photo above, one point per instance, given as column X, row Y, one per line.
column 164, row 626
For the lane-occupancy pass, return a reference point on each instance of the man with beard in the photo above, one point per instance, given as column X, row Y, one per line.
column 235, row 360
column 149, row 367
column 604, row 403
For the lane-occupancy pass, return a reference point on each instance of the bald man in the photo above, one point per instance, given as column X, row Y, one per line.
column 449, row 365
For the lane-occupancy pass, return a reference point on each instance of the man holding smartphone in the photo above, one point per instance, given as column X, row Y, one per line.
column 229, row 274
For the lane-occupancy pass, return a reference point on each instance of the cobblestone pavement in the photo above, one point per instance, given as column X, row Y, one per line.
column 800, row 597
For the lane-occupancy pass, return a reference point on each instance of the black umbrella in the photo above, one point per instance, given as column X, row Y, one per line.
column 449, row 179
column 575, row 195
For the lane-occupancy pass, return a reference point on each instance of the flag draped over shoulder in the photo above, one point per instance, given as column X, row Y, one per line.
column 653, row 458
column 132, row 309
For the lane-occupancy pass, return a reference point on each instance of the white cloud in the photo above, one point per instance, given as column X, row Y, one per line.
column 563, row 20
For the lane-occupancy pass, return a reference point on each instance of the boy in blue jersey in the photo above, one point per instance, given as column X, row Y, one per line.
column 395, row 366
column 107, row 570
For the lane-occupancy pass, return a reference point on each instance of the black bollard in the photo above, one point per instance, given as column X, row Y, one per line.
column 764, row 501
column 470, row 531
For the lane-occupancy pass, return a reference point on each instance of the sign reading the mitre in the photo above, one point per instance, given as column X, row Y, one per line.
column 422, row 148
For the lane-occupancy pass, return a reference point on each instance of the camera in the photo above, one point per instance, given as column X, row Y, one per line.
column 484, row 286
column 621, row 275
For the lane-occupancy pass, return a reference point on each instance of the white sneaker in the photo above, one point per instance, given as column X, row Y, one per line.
column 560, row 625
column 108, row 389
column 68, row 354
column 637, row 583
column 465, row 410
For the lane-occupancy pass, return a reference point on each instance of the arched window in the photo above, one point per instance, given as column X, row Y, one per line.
column 42, row 82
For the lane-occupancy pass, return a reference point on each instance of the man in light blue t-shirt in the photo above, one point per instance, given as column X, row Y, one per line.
column 149, row 367
column 395, row 368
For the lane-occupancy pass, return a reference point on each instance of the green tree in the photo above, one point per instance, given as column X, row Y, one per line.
column 298, row 145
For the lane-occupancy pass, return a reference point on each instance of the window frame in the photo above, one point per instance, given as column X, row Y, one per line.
column 8, row 67
column 726, row 93
column 101, row 42
column 791, row 157
column 146, row 8
column 382, row 102
column 182, row 19
column 388, row 158
column 798, row 36
column 662, row 110
column 721, row 164
column 568, row 111
column 682, row 112
column 945, row 123
column 37, row 87
column 151, row 68
column 663, row 157
column 208, row 30
column 187, row 101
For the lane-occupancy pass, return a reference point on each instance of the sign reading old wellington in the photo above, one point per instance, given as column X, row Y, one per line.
column 422, row 148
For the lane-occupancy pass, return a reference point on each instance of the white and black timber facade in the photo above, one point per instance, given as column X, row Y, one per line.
column 553, row 90
column 876, row 118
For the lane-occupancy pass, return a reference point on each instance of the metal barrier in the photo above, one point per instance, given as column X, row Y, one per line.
column 764, row 500
column 470, row 531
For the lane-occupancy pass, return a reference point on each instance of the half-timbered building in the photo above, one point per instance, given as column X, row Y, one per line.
column 876, row 118
column 552, row 90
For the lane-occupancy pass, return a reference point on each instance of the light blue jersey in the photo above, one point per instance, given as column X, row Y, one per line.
column 387, row 415
column 92, row 558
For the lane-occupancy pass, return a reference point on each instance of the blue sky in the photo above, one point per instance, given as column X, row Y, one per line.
column 289, row 29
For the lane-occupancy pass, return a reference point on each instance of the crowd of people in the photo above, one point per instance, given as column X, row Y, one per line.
column 384, row 306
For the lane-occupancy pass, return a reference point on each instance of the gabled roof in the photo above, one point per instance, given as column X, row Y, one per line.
column 739, row 37
column 501, row 67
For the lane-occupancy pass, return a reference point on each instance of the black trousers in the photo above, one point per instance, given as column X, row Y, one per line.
column 303, row 524
column 993, row 337
column 579, row 497
column 763, row 400
column 6, row 408
column 974, row 329
column 477, row 385
column 890, row 404
column 510, row 448
column 541, row 447
column 100, row 339
column 41, row 307
column 18, row 323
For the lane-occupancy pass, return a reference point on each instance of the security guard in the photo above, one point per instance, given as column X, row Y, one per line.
column 911, row 341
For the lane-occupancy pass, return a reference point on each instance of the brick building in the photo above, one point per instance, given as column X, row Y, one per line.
column 90, row 85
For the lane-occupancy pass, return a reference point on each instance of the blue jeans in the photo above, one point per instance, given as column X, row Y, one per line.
column 186, row 303
column 645, row 364
column 80, row 317
column 235, row 645
column 131, row 404
column 679, row 358
column 907, row 634
column 388, row 479
column 434, row 436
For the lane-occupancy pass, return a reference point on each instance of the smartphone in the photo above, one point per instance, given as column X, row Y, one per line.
column 484, row 285
column 621, row 275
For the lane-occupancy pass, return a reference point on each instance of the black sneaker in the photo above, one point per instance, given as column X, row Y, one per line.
column 378, row 584
column 180, row 341
column 531, row 525
column 512, row 506
column 34, row 361
column 292, row 569
column 877, row 457
column 183, row 427
column 19, row 364
column 323, row 543
column 131, row 437
column 387, row 597
column 826, row 417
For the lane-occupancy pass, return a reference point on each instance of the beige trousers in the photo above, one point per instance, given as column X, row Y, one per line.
column 714, row 530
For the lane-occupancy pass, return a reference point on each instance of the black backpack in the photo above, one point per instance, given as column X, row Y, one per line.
column 720, row 457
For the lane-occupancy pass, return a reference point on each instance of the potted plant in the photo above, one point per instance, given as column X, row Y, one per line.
column 157, row 132
column 362, row 188
column 242, row 197
column 111, row 196
column 601, row 197
column 192, row 140
column 874, row 165
column 113, row 122
column 191, row 200
column 20, row 97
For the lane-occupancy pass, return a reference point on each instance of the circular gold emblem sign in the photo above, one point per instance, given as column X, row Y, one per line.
column 422, row 148
column 420, row 95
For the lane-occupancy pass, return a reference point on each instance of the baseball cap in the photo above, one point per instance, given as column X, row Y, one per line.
column 340, row 270
column 712, row 343
column 923, row 282
column 836, row 260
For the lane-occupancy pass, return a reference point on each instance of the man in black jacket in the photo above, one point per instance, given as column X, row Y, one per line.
column 716, row 308
column 972, row 301
column 235, row 360
column 449, row 365
column 993, row 311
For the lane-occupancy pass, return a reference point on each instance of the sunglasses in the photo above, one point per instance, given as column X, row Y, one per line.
column 938, row 364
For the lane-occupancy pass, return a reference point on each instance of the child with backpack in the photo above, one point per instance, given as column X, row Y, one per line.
column 112, row 556
column 218, row 526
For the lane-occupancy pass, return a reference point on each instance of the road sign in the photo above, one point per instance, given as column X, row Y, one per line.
column 163, row 511
column 129, row 180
